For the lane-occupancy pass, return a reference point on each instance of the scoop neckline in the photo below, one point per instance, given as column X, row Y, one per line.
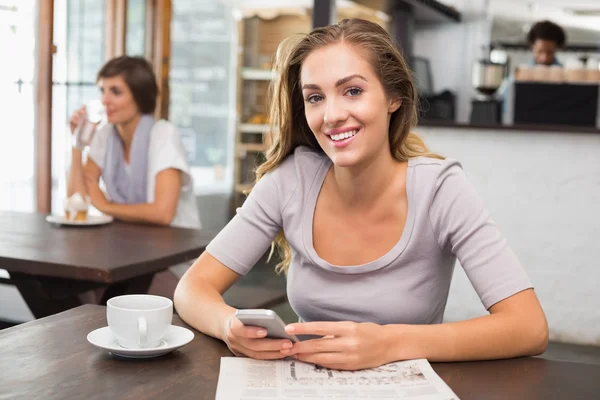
column 381, row 262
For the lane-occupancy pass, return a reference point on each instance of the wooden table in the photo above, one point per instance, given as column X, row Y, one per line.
column 50, row 358
column 51, row 265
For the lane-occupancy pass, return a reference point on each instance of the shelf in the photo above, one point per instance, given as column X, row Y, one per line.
column 424, row 11
column 432, row 11
column 254, row 128
column 242, row 187
column 571, row 47
column 256, row 74
column 256, row 147
column 245, row 148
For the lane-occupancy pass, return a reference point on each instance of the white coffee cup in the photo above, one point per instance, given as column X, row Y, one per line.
column 139, row 321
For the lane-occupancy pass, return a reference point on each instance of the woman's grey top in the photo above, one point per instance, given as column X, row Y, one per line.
column 446, row 220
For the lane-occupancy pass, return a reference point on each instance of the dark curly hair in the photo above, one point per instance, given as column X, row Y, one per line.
column 547, row 30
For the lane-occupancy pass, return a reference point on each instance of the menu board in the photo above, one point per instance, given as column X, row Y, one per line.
column 202, row 79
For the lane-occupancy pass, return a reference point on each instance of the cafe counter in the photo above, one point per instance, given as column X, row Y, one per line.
column 542, row 188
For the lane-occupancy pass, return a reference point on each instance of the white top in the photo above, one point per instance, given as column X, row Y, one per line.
column 166, row 151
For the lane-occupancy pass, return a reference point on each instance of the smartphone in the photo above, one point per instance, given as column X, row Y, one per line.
column 267, row 319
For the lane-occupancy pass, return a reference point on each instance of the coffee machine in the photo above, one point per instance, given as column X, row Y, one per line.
column 486, row 78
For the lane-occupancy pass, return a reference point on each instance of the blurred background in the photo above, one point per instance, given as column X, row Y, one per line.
column 528, row 135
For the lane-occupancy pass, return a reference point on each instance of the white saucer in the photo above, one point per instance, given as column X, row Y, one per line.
column 91, row 220
column 175, row 338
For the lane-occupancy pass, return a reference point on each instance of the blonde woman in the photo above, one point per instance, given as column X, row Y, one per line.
column 369, row 224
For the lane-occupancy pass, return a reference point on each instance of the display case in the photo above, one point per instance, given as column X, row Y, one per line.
column 260, row 33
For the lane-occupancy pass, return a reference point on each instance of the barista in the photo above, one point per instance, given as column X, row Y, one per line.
column 545, row 38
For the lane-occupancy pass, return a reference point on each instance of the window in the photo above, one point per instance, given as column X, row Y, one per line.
column 17, row 40
column 202, row 89
column 136, row 28
column 79, row 38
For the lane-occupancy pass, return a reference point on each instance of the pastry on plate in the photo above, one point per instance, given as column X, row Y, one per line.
column 76, row 208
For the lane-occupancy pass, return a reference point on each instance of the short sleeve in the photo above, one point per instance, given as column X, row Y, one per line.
column 167, row 151
column 248, row 235
column 97, row 148
column 463, row 226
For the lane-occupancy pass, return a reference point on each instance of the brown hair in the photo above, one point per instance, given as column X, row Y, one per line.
column 139, row 77
column 289, row 126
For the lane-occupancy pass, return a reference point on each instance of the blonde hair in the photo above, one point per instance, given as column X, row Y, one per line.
column 288, row 123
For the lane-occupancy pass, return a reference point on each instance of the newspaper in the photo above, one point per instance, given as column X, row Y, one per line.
column 248, row 379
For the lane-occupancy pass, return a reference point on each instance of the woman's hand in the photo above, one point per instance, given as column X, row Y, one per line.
column 97, row 196
column 77, row 118
column 251, row 341
column 344, row 345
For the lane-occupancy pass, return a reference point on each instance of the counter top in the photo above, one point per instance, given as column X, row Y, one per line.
column 517, row 127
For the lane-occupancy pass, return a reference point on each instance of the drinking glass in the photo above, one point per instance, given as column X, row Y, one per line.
column 94, row 117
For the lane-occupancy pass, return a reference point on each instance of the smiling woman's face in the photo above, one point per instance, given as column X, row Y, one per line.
column 345, row 105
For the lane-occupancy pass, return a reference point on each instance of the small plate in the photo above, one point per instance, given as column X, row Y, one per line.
column 90, row 221
column 175, row 338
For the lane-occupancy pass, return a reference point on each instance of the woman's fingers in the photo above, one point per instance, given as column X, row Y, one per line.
column 322, row 345
column 240, row 330
column 260, row 349
column 252, row 341
column 76, row 118
column 265, row 344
